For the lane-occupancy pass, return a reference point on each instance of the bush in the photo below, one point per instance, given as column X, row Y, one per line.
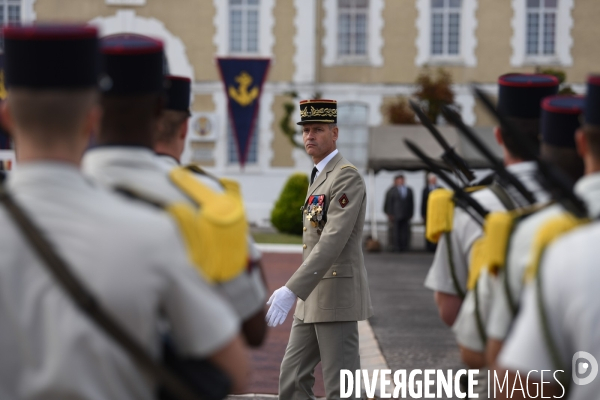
column 400, row 113
column 286, row 215
column 434, row 89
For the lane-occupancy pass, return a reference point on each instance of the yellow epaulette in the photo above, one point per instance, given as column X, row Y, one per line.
column 440, row 214
column 492, row 247
column 348, row 166
column 489, row 251
column 548, row 233
column 216, row 234
column 477, row 263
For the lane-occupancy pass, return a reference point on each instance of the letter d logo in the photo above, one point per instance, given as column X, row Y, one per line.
column 584, row 368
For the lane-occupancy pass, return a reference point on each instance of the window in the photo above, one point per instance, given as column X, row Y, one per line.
column 243, row 26
column 352, row 27
column 232, row 150
column 353, row 140
column 445, row 27
column 542, row 32
column 10, row 14
column 541, row 27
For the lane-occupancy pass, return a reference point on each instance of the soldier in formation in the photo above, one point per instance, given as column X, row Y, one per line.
column 509, row 280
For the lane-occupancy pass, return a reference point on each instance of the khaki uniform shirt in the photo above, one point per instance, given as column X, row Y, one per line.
column 332, row 281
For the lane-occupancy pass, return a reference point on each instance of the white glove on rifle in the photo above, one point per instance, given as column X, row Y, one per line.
column 282, row 300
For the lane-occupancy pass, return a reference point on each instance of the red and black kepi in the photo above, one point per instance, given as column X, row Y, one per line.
column 592, row 101
column 133, row 64
column 561, row 119
column 520, row 95
column 51, row 56
column 178, row 93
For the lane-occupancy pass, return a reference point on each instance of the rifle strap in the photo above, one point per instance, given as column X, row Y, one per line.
column 455, row 282
column 478, row 319
column 503, row 196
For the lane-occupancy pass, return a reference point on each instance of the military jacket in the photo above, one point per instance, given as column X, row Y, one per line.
column 332, row 281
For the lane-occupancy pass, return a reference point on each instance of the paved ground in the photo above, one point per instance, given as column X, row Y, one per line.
column 406, row 326
column 406, row 323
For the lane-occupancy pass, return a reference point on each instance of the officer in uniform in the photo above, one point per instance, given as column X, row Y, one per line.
column 247, row 292
column 560, row 121
column 331, row 285
column 130, row 257
column 565, row 289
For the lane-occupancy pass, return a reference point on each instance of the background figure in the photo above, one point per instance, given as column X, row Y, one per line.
column 399, row 207
column 429, row 187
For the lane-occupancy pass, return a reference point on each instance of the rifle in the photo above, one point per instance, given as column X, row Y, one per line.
column 454, row 161
column 552, row 178
column 462, row 199
column 454, row 118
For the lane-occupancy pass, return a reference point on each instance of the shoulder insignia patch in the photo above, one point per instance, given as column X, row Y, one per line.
column 344, row 200
column 348, row 166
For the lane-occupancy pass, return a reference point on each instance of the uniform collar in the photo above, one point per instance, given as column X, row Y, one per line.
column 56, row 174
column 525, row 167
column 526, row 172
column 323, row 163
column 168, row 160
column 130, row 156
column 588, row 188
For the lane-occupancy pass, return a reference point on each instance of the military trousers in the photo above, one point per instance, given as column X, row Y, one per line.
column 334, row 344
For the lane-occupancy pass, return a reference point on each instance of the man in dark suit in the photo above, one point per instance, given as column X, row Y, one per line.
column 399, row 207
column 429, row 187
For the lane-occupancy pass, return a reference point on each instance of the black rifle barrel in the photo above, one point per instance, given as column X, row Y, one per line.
column 552, row 179
column 450, row 156
column 459, row 192
column 454, row 118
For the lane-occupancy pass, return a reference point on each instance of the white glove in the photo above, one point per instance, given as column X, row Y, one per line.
column 282, row 300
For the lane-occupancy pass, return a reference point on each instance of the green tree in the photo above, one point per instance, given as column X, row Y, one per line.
column 286, row 215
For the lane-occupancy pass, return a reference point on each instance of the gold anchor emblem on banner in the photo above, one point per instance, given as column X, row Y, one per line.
column 241, row 95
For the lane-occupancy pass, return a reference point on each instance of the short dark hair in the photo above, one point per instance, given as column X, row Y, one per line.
column 530, row 128
column 47, row 115
column 170, row 124
column 399, row 176
column 565, row 158
column 592, row 134
column 130, row 119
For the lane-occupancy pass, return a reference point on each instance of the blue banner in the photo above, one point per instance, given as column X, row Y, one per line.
column 243, row 79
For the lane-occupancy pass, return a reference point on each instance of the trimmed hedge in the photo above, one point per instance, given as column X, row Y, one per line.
column 286, row 215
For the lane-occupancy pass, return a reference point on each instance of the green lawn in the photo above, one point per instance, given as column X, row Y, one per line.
column 278, row 238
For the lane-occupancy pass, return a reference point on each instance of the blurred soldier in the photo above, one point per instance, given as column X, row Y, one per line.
column 129, row 257
column 560, row 121
column 430, row 186
column 125, row 160
column 399, row 206
column 558, row 319
column 247, row 291
column 331, row 284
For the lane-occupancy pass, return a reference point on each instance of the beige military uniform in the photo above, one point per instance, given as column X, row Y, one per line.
column 331, row 285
